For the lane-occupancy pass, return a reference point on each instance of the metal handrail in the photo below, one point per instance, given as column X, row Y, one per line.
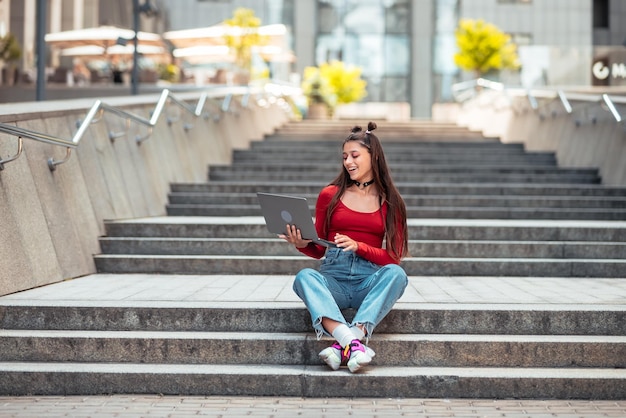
column 26, row 133
column 467, row 89
column 100, row 107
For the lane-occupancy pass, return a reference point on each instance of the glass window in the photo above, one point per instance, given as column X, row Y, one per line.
column 395, row 89
column 373, row 35
column 521, row 39
column 397, row 58
column 601, row 14
column 328, row 18
column 397, row 16
column 364, row 18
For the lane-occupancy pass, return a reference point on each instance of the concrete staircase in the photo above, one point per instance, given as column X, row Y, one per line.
column 478, row 208
column 268, row 349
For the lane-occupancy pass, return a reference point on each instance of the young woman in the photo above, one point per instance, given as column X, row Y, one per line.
column 359, row 211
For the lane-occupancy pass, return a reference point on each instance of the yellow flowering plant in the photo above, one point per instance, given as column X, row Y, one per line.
column 316, row 88
column 10, row 49
column 243, row 36
column 333, row 84
column 482, row 48
column 168, row 72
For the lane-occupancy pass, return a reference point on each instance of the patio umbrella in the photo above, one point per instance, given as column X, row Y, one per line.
column 102, row 36
column 204, row 54
column 206, row 45
column 156, row 53
column 214, row 35
column 220, row 53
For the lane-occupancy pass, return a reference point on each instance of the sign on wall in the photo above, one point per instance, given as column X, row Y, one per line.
column 609, row 68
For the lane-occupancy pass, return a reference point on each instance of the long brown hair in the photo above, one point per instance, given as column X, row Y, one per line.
column 396, row 230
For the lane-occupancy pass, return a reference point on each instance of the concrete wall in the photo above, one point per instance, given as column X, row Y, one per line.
column 575, row 139
column 51, row 221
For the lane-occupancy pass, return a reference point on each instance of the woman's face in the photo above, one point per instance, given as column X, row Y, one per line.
column 358, row 161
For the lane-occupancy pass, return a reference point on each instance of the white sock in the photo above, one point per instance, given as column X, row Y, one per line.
column 357, row 332
column 343, row 335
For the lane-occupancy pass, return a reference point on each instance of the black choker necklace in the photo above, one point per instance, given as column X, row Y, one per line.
column 367, row 183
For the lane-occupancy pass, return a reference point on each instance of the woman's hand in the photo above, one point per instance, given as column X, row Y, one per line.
column 294, row 236
column 345, row 242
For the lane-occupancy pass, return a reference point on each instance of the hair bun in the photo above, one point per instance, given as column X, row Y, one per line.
column 356, row 129
column 371, row 126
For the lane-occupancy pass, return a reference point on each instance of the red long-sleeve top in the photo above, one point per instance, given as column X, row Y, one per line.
column 367, row 229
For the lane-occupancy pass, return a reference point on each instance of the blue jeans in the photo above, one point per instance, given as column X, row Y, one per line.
column 344, row 281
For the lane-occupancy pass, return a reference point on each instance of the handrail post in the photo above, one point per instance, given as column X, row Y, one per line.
column 95, row 108
column 532, row 100
column 244, row 100
column 612, row 107
column 15, row 157
column 159, row 107
column 564, row 101
column 200, row 104
column 226, row 103
column 52, row 163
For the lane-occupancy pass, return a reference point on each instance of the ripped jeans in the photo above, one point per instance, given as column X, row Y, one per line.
column 344, row 281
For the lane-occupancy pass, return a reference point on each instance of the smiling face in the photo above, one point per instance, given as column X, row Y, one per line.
column 358, row 161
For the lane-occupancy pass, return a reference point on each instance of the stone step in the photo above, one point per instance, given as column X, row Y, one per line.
column 493, row 201
column 475, row 212
column 287, row 143
column 410, row 137
column 431, row 266
column 411, row 350
column 391, row 129
column 266, row 304
column 325, row 166
column 407, row 136
column 240, row 156
column 325, row 177
column 293, row 140
column 315, row 148
column 407, row 189
column 423, row 248
column 342, row 129
column 419, row 229
column 50, row 378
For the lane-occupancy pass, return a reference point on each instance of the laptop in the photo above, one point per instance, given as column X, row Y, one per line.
column 280, row 210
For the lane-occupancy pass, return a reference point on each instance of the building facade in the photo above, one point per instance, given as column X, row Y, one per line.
column 404, row 47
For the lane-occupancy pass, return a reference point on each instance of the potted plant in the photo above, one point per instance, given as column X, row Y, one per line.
column 483, row 48
column 329, row 85
column 169, row 72
column 241, row 36
column 318, row 94
column 10, row 52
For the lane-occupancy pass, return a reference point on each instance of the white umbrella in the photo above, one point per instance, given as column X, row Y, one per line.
column 103, row 36
column 207, row 45
column 220, row 53
column 204, row 54
column 214, row 35
column 98, row 51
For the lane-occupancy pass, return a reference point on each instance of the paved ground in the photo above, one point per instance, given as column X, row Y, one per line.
column 189, row 290
column 172, row 406
column 177, row 290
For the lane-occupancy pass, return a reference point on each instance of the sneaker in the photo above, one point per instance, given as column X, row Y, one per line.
column 333, row 356
column 357, row 355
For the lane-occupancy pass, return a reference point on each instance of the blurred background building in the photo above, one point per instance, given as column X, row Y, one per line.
column 405, row 47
